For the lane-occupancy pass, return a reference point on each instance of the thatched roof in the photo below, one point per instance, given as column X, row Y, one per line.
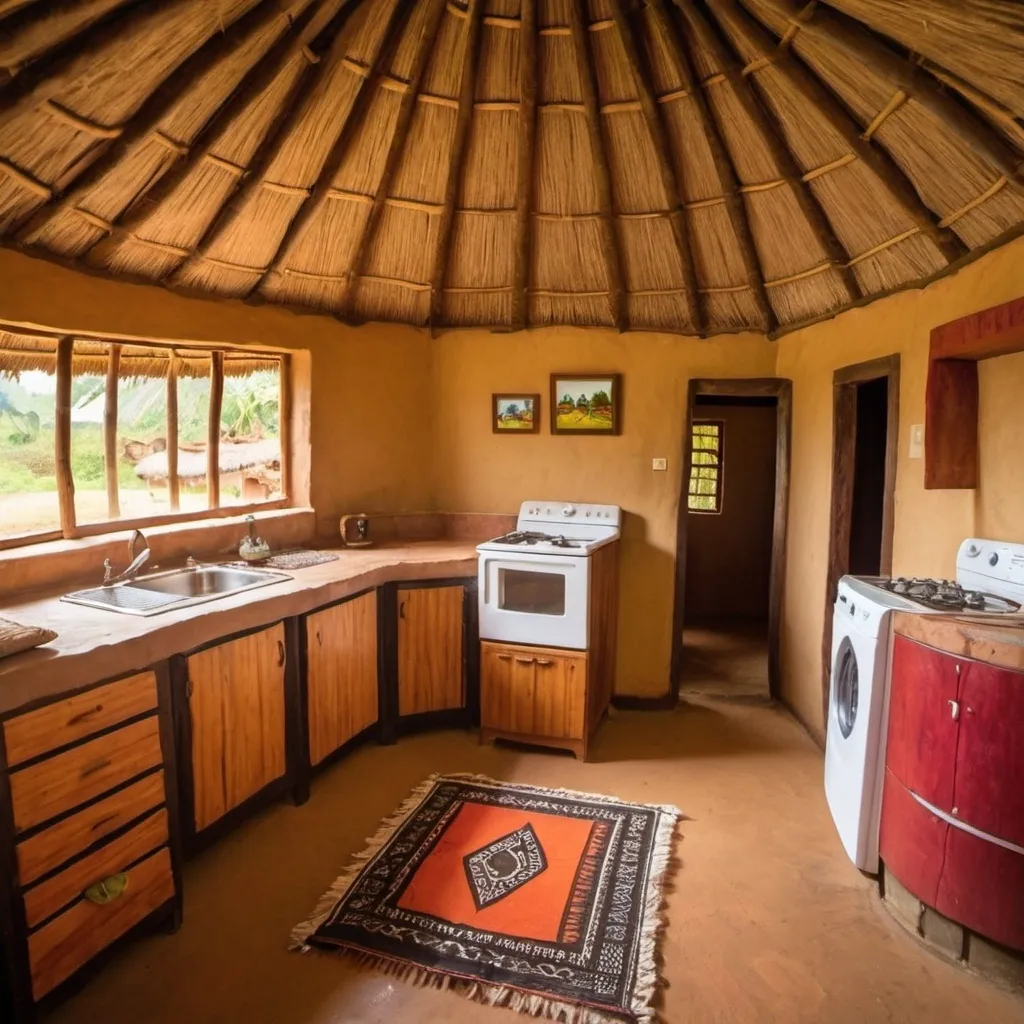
column 19, row 352
column 700, row 166
column 192, row 465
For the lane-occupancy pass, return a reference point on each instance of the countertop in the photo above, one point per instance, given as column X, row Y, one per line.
column 94, row 644
column 995, row 640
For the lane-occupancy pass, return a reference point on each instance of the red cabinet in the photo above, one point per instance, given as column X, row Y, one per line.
column 953, row 743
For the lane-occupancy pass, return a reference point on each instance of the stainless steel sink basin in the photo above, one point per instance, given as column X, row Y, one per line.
column 178, row 588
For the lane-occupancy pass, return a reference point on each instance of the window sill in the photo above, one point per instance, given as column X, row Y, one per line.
column 49, row 563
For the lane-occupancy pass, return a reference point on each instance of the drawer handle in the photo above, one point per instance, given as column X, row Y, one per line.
column 544, row 661
column 954, row 709
column 319, row 638
column 504, row 657
column 96, row 766
column 103, row 821
column 84, row 716
column 525, row 661
column 280, row 654
column 107, row 890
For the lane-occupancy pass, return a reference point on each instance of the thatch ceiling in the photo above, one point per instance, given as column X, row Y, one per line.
column 700, row 166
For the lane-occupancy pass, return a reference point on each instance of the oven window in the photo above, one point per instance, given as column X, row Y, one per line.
column 535, row 593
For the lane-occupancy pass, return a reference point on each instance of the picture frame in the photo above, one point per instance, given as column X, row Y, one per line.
column 573, row 406
column 515, row 412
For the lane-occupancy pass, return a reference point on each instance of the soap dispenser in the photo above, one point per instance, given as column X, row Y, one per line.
column 253, row 547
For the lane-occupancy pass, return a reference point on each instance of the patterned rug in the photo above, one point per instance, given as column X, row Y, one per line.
column 546, row 901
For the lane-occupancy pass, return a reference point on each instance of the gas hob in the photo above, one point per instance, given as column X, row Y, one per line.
column 947, row 596
column 558, row 528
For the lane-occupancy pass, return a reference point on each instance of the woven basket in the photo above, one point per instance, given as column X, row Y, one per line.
column 14, row 637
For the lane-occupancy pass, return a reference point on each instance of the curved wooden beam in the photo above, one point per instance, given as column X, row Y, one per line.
column 529, row 72
column 789, row 171
column 149, row 115
column 610, row 244
column 467, row 85
column 424, row 52
column 877, row 160
column 674, row 191
column 724, row 166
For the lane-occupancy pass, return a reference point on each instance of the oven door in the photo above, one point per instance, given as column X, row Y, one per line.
column 534, row 599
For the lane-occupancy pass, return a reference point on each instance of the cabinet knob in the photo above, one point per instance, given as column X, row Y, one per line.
column 319, row 638
column 543, row 661
column 280, row 654
column 504, row 657
column 526, row 661
column 954, row 709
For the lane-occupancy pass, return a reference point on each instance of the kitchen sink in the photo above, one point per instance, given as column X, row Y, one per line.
column 178, row 588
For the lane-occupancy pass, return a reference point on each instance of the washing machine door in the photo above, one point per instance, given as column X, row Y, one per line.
column 845, row 687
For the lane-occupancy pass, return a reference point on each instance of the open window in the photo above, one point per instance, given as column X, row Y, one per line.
column 706, row 466
column 97, row 434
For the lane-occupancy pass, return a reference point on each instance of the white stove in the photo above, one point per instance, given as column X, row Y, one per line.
column 989, row 582
column 534, row 583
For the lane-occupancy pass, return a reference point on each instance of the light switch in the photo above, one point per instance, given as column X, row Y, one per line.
column 659, row 464
column 916, row 441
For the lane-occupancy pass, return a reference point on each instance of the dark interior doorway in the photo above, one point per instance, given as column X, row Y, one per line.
column 731, row 539
column 865, row 438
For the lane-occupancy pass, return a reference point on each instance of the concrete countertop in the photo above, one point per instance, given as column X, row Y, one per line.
column 994, row 640
column 94, row 644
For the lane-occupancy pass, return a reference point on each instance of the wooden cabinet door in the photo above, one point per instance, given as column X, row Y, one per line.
column 989, row 790
column 341, row 673
column 507, row 680
column 430, row 630
column 921, row 749
column 237, row 706
column 560, row 695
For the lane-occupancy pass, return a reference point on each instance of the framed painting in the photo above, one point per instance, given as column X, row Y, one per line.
column 586, row 403
column 515, row 414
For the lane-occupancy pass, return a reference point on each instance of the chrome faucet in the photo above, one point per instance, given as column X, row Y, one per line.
column 136, row 561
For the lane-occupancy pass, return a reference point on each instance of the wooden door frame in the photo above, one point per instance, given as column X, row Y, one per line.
column 844, row 439
column 780, row 389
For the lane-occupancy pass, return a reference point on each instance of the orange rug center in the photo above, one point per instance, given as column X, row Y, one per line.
column 536, row 909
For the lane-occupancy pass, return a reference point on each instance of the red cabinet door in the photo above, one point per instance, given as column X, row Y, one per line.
column 911, row 841
column 989, row 789
column 921, row 746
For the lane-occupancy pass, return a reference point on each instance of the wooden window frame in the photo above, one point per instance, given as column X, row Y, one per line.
column 70, row 529
column 719, row 465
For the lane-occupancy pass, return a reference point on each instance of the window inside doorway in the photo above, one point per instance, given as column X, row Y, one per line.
column 706, row 466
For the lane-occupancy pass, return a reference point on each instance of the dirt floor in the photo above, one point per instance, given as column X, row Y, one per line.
column 726, row 658
column 767, row 920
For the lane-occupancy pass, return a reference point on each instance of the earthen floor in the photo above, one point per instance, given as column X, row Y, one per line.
column 767, row 921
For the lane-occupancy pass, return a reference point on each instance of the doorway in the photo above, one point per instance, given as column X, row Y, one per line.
column 731, row 538
column 865, row 438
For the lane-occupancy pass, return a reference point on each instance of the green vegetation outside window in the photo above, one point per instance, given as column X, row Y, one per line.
column 706, row 467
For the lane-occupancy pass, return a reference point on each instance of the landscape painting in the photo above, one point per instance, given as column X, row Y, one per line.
column 515, row 414
column 585, row 404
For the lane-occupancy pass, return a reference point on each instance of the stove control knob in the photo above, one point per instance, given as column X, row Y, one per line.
column 568, row 511
column 993, row 559
column 588, row 513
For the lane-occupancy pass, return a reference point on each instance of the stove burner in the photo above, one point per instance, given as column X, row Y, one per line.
column 533, row 537
column 946, row 595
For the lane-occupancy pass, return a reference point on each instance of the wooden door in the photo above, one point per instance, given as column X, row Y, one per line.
column 507, row 677
column 921, row 748
column 989, row 789
column 430, row 641
column 341, row 673
column 560, row 695
column 237, row 706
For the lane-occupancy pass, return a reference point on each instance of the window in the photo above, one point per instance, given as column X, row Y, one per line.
column 706, row 452
column 98, row 432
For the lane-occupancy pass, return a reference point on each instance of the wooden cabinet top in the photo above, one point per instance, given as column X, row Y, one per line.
column 988, row 640
column 94, row 644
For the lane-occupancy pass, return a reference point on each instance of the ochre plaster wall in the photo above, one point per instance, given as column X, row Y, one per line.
column 479, row 471
column 929, row 525
column 370, row 426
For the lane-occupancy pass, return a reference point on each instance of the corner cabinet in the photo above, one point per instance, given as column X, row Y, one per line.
column 952, row 828
column 233, row 728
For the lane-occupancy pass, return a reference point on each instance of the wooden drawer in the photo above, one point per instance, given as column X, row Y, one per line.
column 53, row 846
column 71, row 720
column 44, row 900
column 51, row 787
column 59, row 948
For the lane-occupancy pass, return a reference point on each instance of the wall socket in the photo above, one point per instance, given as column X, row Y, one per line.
column 659, row 464
column 916, row 441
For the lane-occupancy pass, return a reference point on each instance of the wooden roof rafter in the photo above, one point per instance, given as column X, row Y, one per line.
column 407, row 106
column 524, row 175
column 611, row 244
column 862, row 144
